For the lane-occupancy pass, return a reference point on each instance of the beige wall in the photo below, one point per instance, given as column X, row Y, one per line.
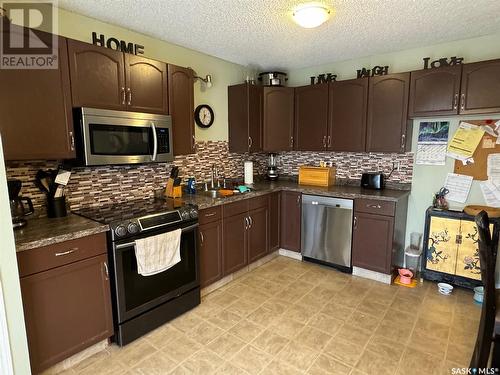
column 223, row 73
column 9, row 276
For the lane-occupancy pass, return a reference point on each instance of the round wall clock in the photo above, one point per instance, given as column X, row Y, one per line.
column 204, row 116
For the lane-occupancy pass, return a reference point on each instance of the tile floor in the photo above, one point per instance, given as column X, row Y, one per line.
column 290, row 317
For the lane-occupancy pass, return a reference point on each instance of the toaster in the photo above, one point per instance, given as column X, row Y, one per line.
column 372, row 181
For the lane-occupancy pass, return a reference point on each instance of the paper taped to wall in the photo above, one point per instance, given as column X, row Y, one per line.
column 490, row 194
column 458, row 186
column 465, row 141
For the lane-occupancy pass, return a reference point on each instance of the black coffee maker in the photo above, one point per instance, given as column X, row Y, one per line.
column 18, row 208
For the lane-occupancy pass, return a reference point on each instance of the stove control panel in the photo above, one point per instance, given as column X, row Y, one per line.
column 137, row 225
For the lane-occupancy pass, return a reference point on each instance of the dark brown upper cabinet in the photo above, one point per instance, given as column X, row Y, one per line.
column 387, row 113
column 104, row 78
column 147, row 84
column 36, row 121
column 181, row 106
column 347, row 115
column 435, row 92
column 480, row 87
column 278, row 119
column 245, row 118
column 311, row 117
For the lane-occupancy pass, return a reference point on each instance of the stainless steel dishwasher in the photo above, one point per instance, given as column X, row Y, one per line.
column 327, row 230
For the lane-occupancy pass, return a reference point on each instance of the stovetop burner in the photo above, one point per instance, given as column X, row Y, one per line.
column 133, row 209
column 130, row 218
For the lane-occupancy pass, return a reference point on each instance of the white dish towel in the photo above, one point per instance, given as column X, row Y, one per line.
column 158, row 253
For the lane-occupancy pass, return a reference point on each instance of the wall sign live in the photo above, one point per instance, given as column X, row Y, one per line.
column 143, row 303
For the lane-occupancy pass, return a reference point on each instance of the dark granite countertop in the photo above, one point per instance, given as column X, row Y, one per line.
column 44, row 231
column 262, row 188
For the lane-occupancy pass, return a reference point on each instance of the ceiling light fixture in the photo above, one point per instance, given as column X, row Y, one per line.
column 311, row 15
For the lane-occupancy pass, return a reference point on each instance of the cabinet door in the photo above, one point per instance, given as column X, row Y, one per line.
column 66, row 310
column 234, row 243
column 181, row 107
column 290, row 220
column 278, row 118
column 347, row 115
column 255, row 109
column 258, row 233
column 147, row 85
column 387, row 113
column 468, row 264
column 311, row 117
column 480, row 87
column 372, row 242
column 274, row 221
column 442, row 247
column 36, row 120
column 210, row 252
column 434, row 92
column 97, row 76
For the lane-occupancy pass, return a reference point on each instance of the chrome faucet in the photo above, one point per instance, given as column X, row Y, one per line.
column 215, row 174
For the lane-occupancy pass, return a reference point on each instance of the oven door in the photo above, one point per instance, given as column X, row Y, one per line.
column 114, row 137
column 135, row 293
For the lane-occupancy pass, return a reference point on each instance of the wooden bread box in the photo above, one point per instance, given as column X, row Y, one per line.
column 317, row 176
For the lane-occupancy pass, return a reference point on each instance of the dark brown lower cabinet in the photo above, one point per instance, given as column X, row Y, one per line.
column 66, row 310
column 290, row 220
column 372, row 242
column 379, row 234
column 235, row 239
column 258, row 233
column 210, row 252
column 274, row 221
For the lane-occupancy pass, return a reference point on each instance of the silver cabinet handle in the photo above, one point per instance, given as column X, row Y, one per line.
column 462, row 102
column 403, row 139
column 123, row 95
column 155, row 142
column 355, row 222
column 129, row 102
column 329, row 141
column 202, row 239
column 210, row 214
column 291, row 142
column 455, row 101
column 246, row 223
column 250, row 142
column 250, row 219
column 324, row 141
column 373, row 206
column 298, row 199
column 106, row 270
column 66, row 252
column 72, row 141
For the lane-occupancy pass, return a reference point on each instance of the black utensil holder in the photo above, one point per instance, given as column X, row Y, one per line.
column 56, row 207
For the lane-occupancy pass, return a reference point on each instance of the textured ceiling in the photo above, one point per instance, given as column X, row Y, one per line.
column 261, row 33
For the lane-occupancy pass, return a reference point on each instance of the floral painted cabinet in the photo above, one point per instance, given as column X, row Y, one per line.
column 451, row 251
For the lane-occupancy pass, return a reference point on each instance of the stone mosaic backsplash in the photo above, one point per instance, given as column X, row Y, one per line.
column 90, row 186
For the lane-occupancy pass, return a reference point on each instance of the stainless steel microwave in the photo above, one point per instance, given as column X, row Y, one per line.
column 105, row 137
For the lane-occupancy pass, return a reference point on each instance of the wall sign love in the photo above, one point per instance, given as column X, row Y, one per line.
column 443, row 61
column 118, row 45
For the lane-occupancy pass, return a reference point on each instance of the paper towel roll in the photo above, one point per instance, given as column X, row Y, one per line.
column 248, row 172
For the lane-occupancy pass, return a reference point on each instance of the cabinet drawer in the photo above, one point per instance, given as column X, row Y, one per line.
column 235, row 208
column 258, row 202
column 209, row 215
column 374, row 206
column 51, row 256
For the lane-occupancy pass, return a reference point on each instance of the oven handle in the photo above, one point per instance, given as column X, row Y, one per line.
column 128, row 244
column 155, row 142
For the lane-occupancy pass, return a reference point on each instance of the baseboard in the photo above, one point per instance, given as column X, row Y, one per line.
column 290, row 254
column 372, row 275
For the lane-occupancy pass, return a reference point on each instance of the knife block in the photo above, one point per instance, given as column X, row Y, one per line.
column 172, row 191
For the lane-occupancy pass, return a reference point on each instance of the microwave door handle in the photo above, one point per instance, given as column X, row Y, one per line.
column 155, row 142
